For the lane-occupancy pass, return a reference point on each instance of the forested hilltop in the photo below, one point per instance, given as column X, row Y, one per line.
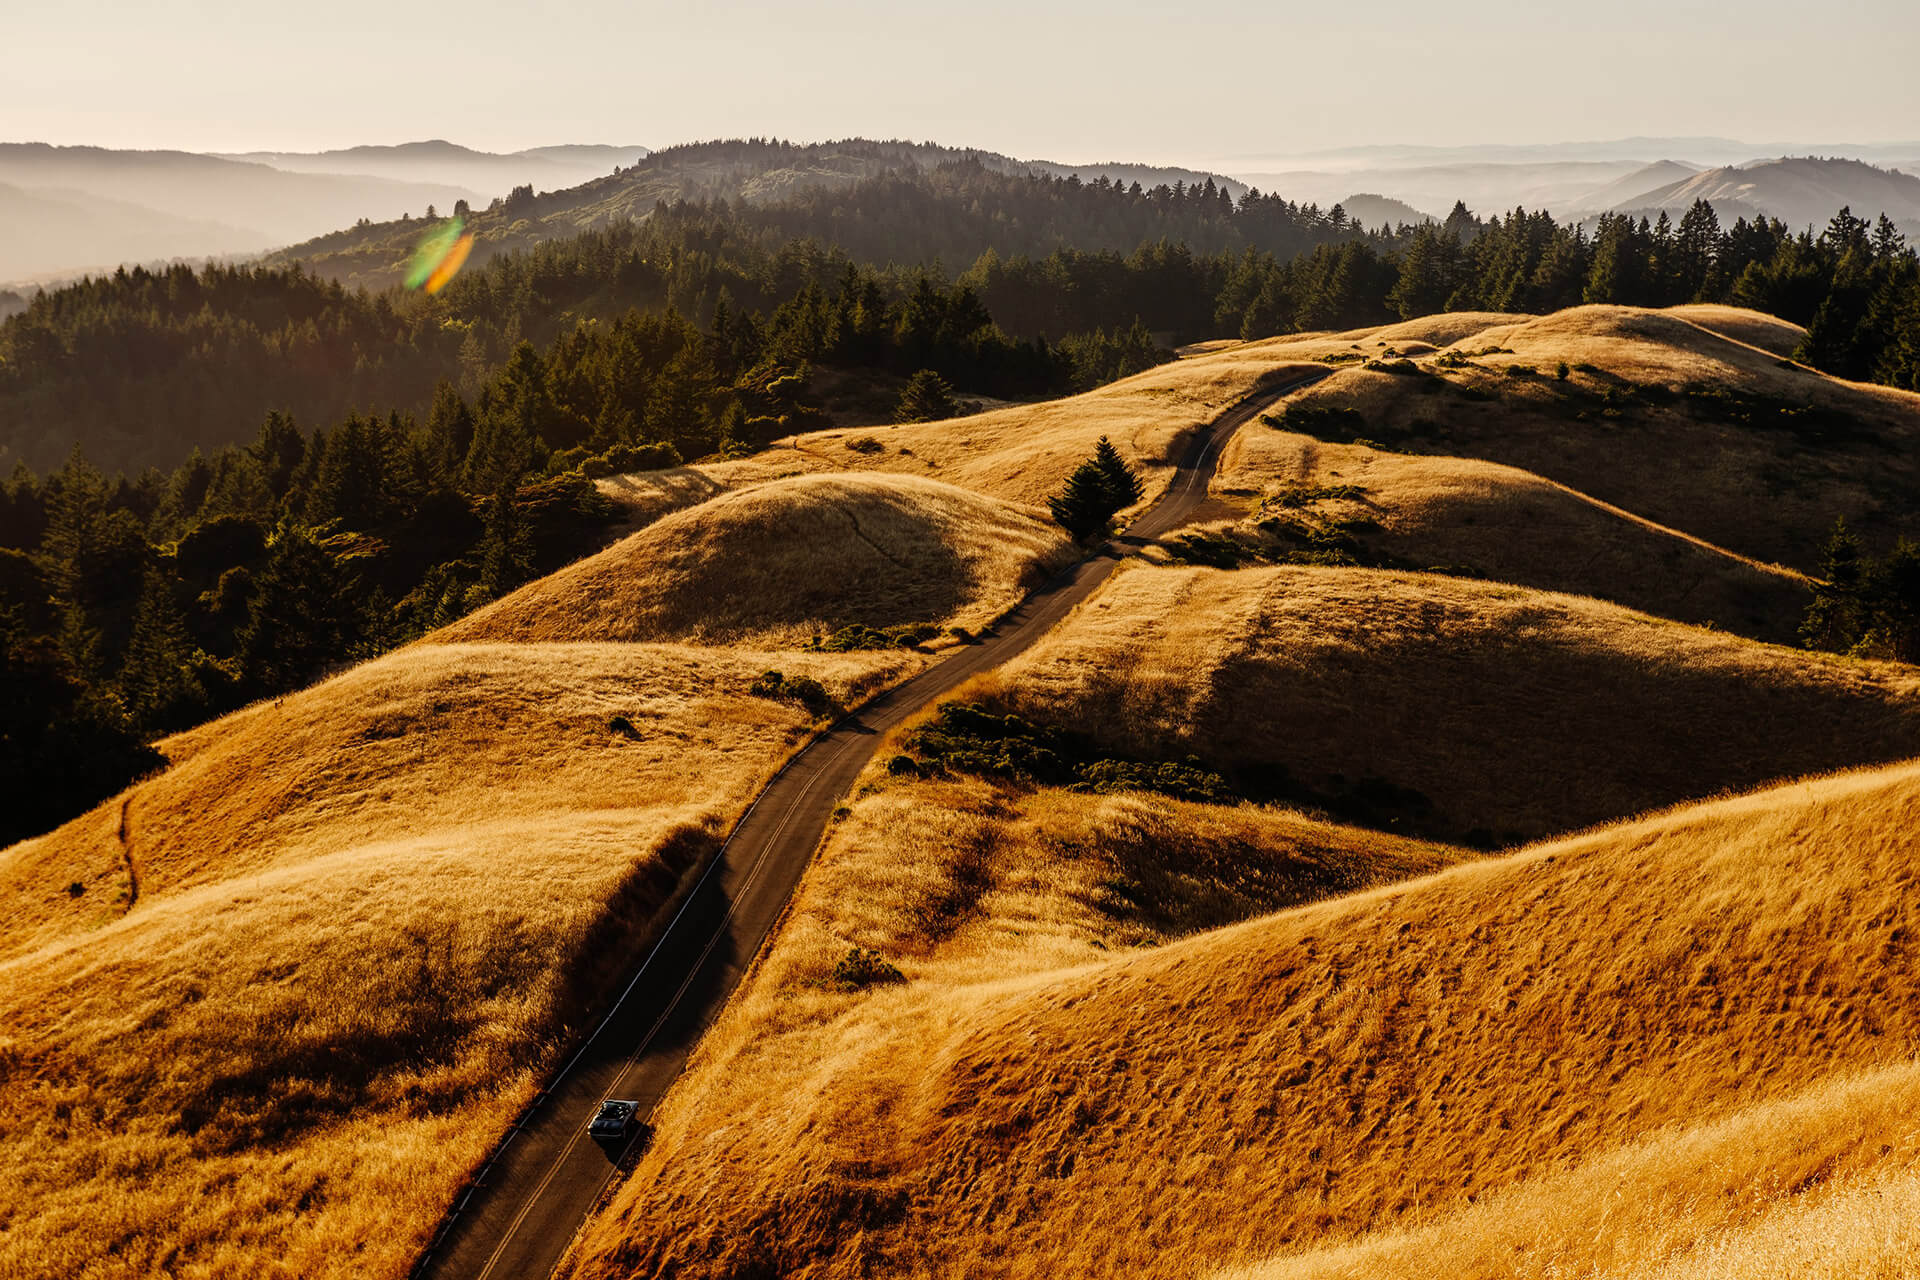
column 754, row 171
column 231, row 480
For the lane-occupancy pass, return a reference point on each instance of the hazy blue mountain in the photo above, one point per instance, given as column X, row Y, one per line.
column 1801, row 191
column 53, row 232
column 438, row 161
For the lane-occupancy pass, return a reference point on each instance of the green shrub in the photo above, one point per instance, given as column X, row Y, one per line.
column 806, row 691
column 1336, row 424
column 1214, row 550
column 1562, row 372
column 624, row 727
column 1521, row 371
column 926, row 398
column 1399, row 366
column 859, row 636
column 861, row 968
column 866, row 444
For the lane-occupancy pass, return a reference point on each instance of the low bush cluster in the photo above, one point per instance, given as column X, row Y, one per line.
column 969, row 738
column 805, row 690
column 860, row 968
column 859, row 636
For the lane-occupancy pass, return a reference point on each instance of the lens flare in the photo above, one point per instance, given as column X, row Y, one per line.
column 439, row 256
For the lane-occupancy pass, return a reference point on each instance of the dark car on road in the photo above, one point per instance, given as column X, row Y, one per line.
column 615, row 1120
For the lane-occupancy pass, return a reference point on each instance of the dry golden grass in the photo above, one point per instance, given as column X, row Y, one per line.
column 366, row 915
column 1619, row 1050
column 1677, row 461
column 1775, row 336
column 968, row 888
column 1821, row 1183
column 1614, row 1051
column 1507, row 524
column 1024, row 453
column 1515, row 713
column 780, row 562
column 648, row 495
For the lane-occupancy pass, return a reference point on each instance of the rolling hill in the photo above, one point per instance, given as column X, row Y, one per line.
column 1628, row 187
column 1737, row 430
column 278, row 1000
column 282, row 997
column 782, row 562
column 1330, row 686
column 1375, row 211
column 755, row 172
column 1657, row 1030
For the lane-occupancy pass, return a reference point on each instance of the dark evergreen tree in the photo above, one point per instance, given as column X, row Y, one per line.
column 301, row 618
column 1123, row 487
column 925, row 398
column 1084, row 508
column 1836, row 619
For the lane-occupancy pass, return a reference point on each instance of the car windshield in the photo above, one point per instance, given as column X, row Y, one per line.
column 612, row 1109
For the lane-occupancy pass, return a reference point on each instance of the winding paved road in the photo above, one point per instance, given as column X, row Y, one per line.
column 523, row 1210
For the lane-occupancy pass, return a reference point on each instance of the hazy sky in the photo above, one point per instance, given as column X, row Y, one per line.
column 1055, row 79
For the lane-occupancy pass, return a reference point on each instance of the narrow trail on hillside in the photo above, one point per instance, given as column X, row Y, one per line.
column 522, row 1210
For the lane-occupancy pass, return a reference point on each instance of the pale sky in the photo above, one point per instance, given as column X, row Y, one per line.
column 1069, row 80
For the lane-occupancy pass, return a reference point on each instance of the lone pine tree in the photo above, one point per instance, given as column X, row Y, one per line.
column 926, row 398
column 1098, row 488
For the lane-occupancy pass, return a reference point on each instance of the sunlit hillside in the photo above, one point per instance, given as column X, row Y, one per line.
column 791, row 559
column 1688, row 419
column 279, row 999
column 1585, row 1054
column 1019, row 454
column 282, row 997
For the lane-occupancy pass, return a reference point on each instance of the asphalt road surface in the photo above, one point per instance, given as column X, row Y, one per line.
column 520, row 1215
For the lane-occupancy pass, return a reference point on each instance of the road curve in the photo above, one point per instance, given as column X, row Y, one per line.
column 520, row 1215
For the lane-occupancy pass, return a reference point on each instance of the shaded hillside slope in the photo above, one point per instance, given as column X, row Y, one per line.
column 929, row 893
column 1300, row 1080
column 1670, row 420
column 1451, row 707
column 751, row 172
column 277, row 1001
column 790, row 559
column 1298, row 496
column 1755, row 328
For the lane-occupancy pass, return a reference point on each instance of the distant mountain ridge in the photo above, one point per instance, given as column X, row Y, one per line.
column 1375, row 211
column 263, row 206
column 487, row 173
column 1660, row 173
column 753, row 171
column 1801, row 191
column 47, row 224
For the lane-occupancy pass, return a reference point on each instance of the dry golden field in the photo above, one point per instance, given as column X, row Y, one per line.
column 1515, row 713
column 1669, row 1047
column 780, row 562
column 339, row 942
